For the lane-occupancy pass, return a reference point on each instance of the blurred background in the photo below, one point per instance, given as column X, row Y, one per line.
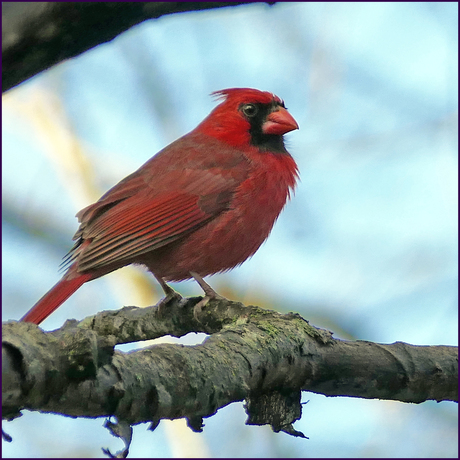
column 367, row 248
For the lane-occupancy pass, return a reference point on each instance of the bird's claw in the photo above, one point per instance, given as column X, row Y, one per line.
column 171, row 296
column 210, row 294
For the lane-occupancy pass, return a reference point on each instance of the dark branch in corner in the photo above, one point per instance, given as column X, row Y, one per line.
column 38, row 35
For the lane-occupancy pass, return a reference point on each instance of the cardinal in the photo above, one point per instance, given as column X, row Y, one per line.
column 202, row 205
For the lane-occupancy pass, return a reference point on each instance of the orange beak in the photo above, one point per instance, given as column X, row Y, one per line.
column 279, row 122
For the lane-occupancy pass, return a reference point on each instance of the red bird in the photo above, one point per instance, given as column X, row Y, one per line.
column 202, row 205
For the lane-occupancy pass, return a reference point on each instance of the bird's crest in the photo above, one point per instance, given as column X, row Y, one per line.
column 249, row 94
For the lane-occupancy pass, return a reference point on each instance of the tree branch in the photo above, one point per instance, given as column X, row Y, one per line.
column 38, row 35
column 252, row 354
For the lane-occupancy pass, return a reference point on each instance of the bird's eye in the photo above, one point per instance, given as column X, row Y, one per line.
column 250, row 110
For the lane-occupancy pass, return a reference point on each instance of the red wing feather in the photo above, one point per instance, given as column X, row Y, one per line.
column 134, row 227
column 179, row 190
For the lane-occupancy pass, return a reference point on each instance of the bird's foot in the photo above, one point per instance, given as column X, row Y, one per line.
column 162, row 304
column 171, row 294
column 210, row 294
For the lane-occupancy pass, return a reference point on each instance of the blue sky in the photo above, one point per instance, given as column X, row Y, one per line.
column 367, row 247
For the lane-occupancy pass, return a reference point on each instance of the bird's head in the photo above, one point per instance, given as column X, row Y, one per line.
column 248, row 116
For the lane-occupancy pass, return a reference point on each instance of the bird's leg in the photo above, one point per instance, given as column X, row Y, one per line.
column 169, row 291
column 209, row 292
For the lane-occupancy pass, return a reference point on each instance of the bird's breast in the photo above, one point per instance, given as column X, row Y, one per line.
column 235, row 234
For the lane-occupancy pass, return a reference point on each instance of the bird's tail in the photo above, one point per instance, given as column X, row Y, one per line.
column 54, row 298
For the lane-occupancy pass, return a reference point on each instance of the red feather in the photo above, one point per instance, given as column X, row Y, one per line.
column 54, row 298
column 203, row 204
